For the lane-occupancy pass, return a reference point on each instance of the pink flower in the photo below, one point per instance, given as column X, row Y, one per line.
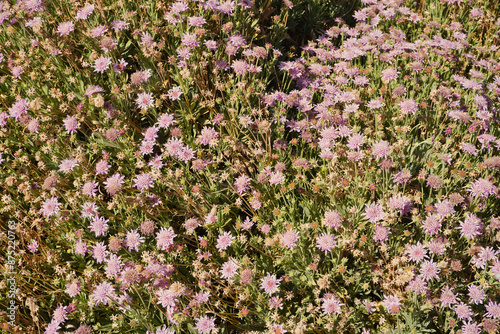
column 114, row 183
column 99, row 252
column 102, row 167
column 229, row 269
column 241, row 183
column 493, row 310
column 133, row 240
column 73, row 288
column 145, row 100
column 331, row 305
column 143, row 181
column 416, row 253
column 391, row 304
column 205, row 324
column 67, row 165
column 84, row 12
column 165, row 238
column 33, row 246
column 90, row 188
column 17, row 71
column 270, row 284
column 33, row 125
column 50, row 207
column 208, row 135
column 224, row 241
column 463, row 311
column 174, row 93
column 81, row 247
column 326, row 242
column 289, row 238
column 18, row 108
column 240, row 66
column 333, row 219
column 471, row 226
column 190, row 40
column 374, row 212
column 448, row 297
column 381, row 233
column 165, row 120
column 476, row 294
column 101, row 64
column 97, row 31
column 103, row 293
column 99, row 225
column 429, row 270
column 381, row 149
column 65, row 28
column 71, row 124
column 483, row 188
column 408, row 106
column 113, row 265
column 276, row 178
column 389, row 74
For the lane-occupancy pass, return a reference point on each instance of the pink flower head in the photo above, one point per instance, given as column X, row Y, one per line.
column 270, row 284
column 333, row 219
column 326, row 242
column 90, row 188
column 190, row 40
column 483, row 188
column 391, row 304
column 493, row 310
column 133, row 240
column 67, row 165
column 99, row 225
column 114, row 183
column 17, row 71
column 165, row 120
column 145, row 100
column 208, row 135
column 165, row 238
column 143, row 181
column 471, row 226
column 101, row 64
column 81, row 247
column 33, row 125
column 33, row 246
column 175, row 93
column 71, row 124
column 429, row 270
column 229, row 269
column 84, row 12
column 73, row 288
column 374, row 212
column 416, row 253
column 381, row 233
column 240, row 66
column 289, row 238
column 102, row 167
column 331, row 304
column 205, row 324
column 99, row 252
column 381, row 149
column 18, row 108
column 50, row 207
column 241, row 183
column 103, row 293
column 224, row 241
column 408, row 106
column 65, row 28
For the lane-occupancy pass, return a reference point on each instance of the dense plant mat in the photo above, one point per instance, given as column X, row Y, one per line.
column 235, row 166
